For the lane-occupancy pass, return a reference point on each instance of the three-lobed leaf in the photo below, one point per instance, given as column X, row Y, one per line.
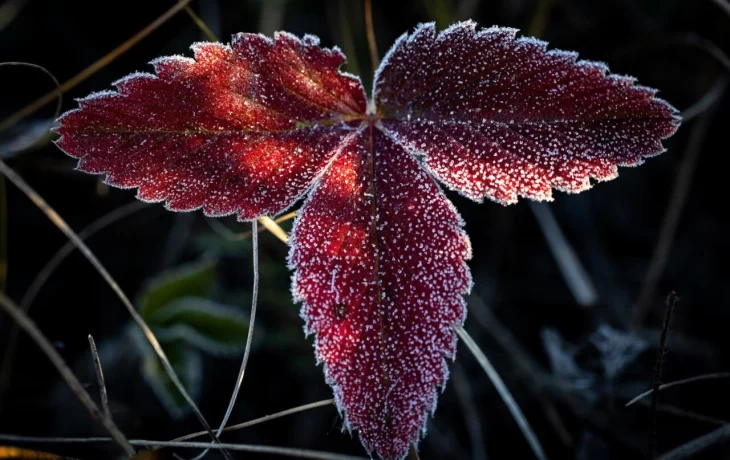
column 378, row 250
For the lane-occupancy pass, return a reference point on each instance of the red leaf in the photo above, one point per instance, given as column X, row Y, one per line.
column 245, row 128
column 378, row 249
column 499, row 117
column 379, row 254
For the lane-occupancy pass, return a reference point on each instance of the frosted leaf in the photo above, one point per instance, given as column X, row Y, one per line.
column 500, row 117
column 244, row 128
column 379, row 257
column 379, row 252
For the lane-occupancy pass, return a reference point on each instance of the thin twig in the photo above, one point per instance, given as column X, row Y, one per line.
column 274, row 228
column 77, row 388
column 266, row 418
column 201, row 24
column 660, row 354
column 226, row 232
column 370, row 30
column 666, row 386
column 673, row 214
column 93, row 68
column 45, row 273
column 100, row 378
column 58, row 221
column 697, row 445
column 249, row 335
column 503, row 391
column 575, row 276
column 273, row 450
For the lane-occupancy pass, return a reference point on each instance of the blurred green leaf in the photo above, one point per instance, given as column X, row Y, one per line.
column 197, row 280
column 188, row 365
column 215, row 328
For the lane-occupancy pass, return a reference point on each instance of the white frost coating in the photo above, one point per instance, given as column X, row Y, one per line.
column 171, row 58
column 495, row 116
column 409, row 256
column 449, row 185
column 93, row 96
column 133, row 76
column 386, row 59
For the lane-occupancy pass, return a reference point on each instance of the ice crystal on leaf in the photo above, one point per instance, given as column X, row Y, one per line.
column 378, row 250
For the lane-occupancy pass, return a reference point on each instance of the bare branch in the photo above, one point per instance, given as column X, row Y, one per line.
column 201, row 24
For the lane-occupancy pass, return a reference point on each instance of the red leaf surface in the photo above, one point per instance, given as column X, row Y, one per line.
column 378, row 250
column 498, row 117
column 379, row 254
column 244, row 128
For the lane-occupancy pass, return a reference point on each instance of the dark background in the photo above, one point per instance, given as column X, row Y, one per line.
column 519, row 289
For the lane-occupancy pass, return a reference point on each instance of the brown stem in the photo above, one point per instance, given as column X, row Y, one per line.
column 372, row 45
